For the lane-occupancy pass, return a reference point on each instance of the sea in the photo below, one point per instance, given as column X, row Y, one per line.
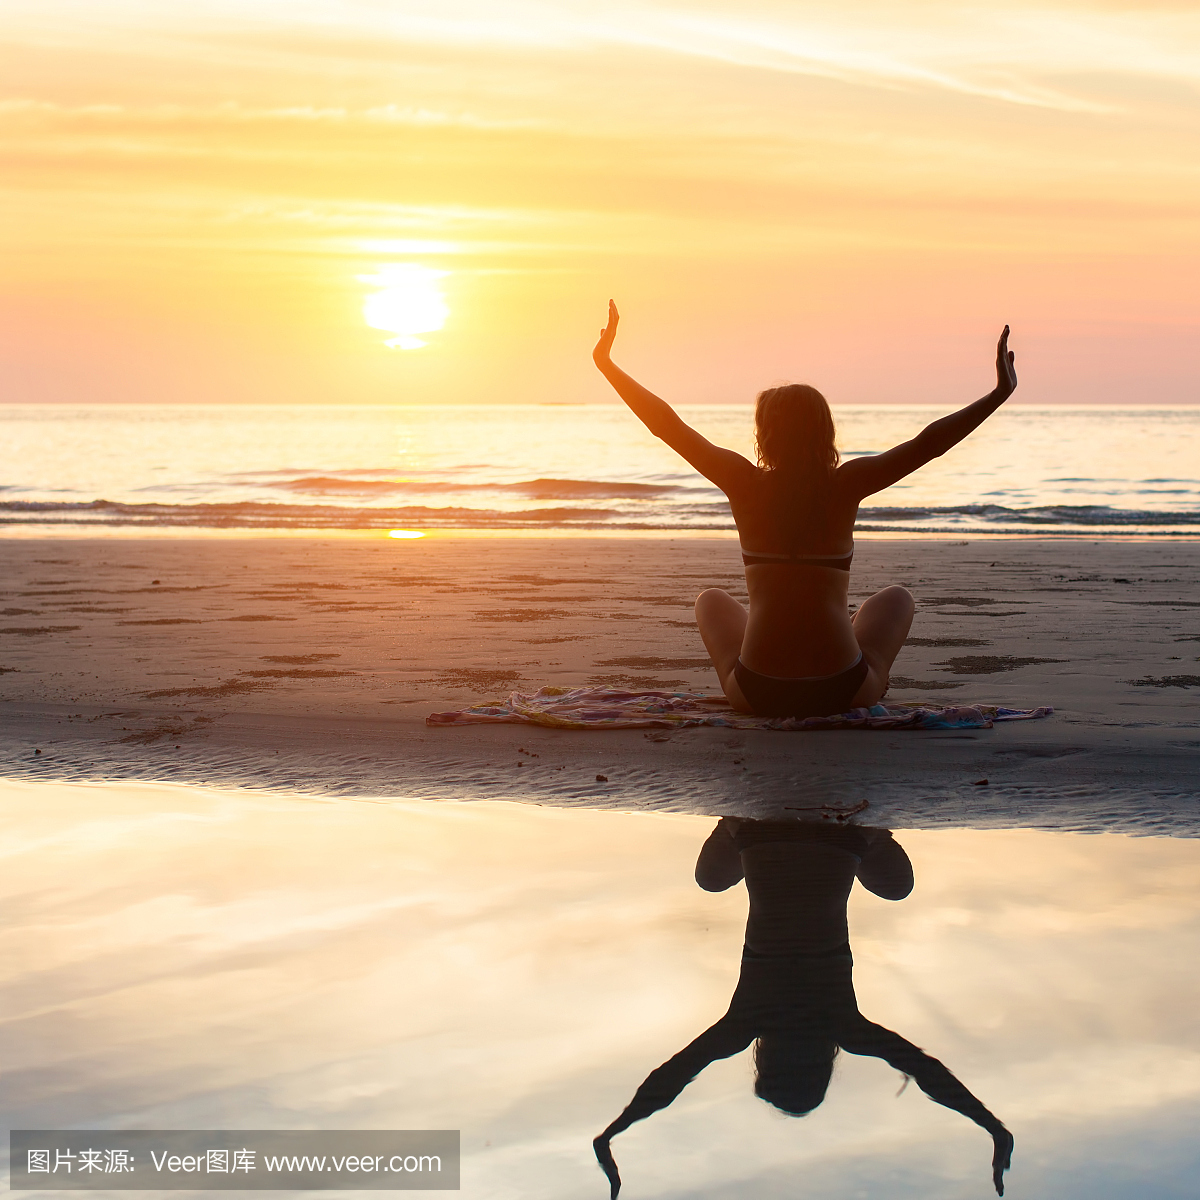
column 1061, row 470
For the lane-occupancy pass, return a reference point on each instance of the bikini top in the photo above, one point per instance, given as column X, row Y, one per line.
column 839, row 562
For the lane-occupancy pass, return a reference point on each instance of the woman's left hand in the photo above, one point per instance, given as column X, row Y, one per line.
column 1006, row 372
column 601, row 354
column 1001, row 1158
column 604, row 1156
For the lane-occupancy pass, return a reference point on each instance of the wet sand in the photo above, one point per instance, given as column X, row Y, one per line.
column 312, row 663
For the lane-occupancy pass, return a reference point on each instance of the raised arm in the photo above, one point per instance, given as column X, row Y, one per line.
column 865, row 476
column 723, row 467
column 727, row 1037
column 936, row 1081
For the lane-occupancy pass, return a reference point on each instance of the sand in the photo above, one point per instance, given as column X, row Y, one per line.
column 311, row 664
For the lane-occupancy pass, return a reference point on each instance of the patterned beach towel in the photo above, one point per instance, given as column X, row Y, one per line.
column 613, row 708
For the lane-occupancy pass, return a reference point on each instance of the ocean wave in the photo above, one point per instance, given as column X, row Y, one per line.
column 259, row 515
column 534, row 489
column 664, row 512
column 1087, row 515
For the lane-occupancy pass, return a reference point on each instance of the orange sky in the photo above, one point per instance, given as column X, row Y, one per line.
column 856, row 195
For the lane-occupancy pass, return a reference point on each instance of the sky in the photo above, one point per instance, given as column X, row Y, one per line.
column 199, row 199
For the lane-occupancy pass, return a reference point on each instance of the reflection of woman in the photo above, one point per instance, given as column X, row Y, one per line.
column 795, row 997
column 796, row 652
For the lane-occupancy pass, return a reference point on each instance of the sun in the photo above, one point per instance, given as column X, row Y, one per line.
column 408, row 302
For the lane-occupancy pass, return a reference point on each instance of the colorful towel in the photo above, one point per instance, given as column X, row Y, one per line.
column 612, row 708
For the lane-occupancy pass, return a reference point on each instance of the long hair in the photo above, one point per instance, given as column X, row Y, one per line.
column 793, row 1073
column 795, row 436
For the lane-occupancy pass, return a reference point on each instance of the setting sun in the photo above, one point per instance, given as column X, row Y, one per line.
column 408, row 302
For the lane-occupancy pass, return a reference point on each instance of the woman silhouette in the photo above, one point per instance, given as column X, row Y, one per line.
column 797, row 652
column 795, row 995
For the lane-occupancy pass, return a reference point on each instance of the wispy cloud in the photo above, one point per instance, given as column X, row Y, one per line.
column 1007, row 54
column 834, row 54
column 231, row 112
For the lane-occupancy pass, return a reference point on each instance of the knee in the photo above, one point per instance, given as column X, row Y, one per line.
column 899, row 597
column 711, row 598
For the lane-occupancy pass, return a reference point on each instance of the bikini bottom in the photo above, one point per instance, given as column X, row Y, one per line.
column 809, row 696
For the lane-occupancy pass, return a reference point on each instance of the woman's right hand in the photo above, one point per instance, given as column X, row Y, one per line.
column 1006, row 373
column 601, row 355
column 1001, row 1158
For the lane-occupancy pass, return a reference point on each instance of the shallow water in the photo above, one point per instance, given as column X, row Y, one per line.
column 180, row 957
column 1097, row 470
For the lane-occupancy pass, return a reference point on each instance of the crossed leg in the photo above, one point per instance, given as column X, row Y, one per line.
column 881, row 624
column 722, row 622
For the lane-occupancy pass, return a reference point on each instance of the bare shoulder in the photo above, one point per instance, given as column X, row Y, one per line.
column 728, row 469
column 853, row 471
column 739, row 477
column 870, row 473
column 852, row 481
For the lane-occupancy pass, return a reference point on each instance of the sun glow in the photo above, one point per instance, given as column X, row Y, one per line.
column 407, row 303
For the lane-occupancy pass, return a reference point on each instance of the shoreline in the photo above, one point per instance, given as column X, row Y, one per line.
column 310, row 663
column 22, row 531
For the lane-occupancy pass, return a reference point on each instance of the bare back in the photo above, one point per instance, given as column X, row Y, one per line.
column 799, row 621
